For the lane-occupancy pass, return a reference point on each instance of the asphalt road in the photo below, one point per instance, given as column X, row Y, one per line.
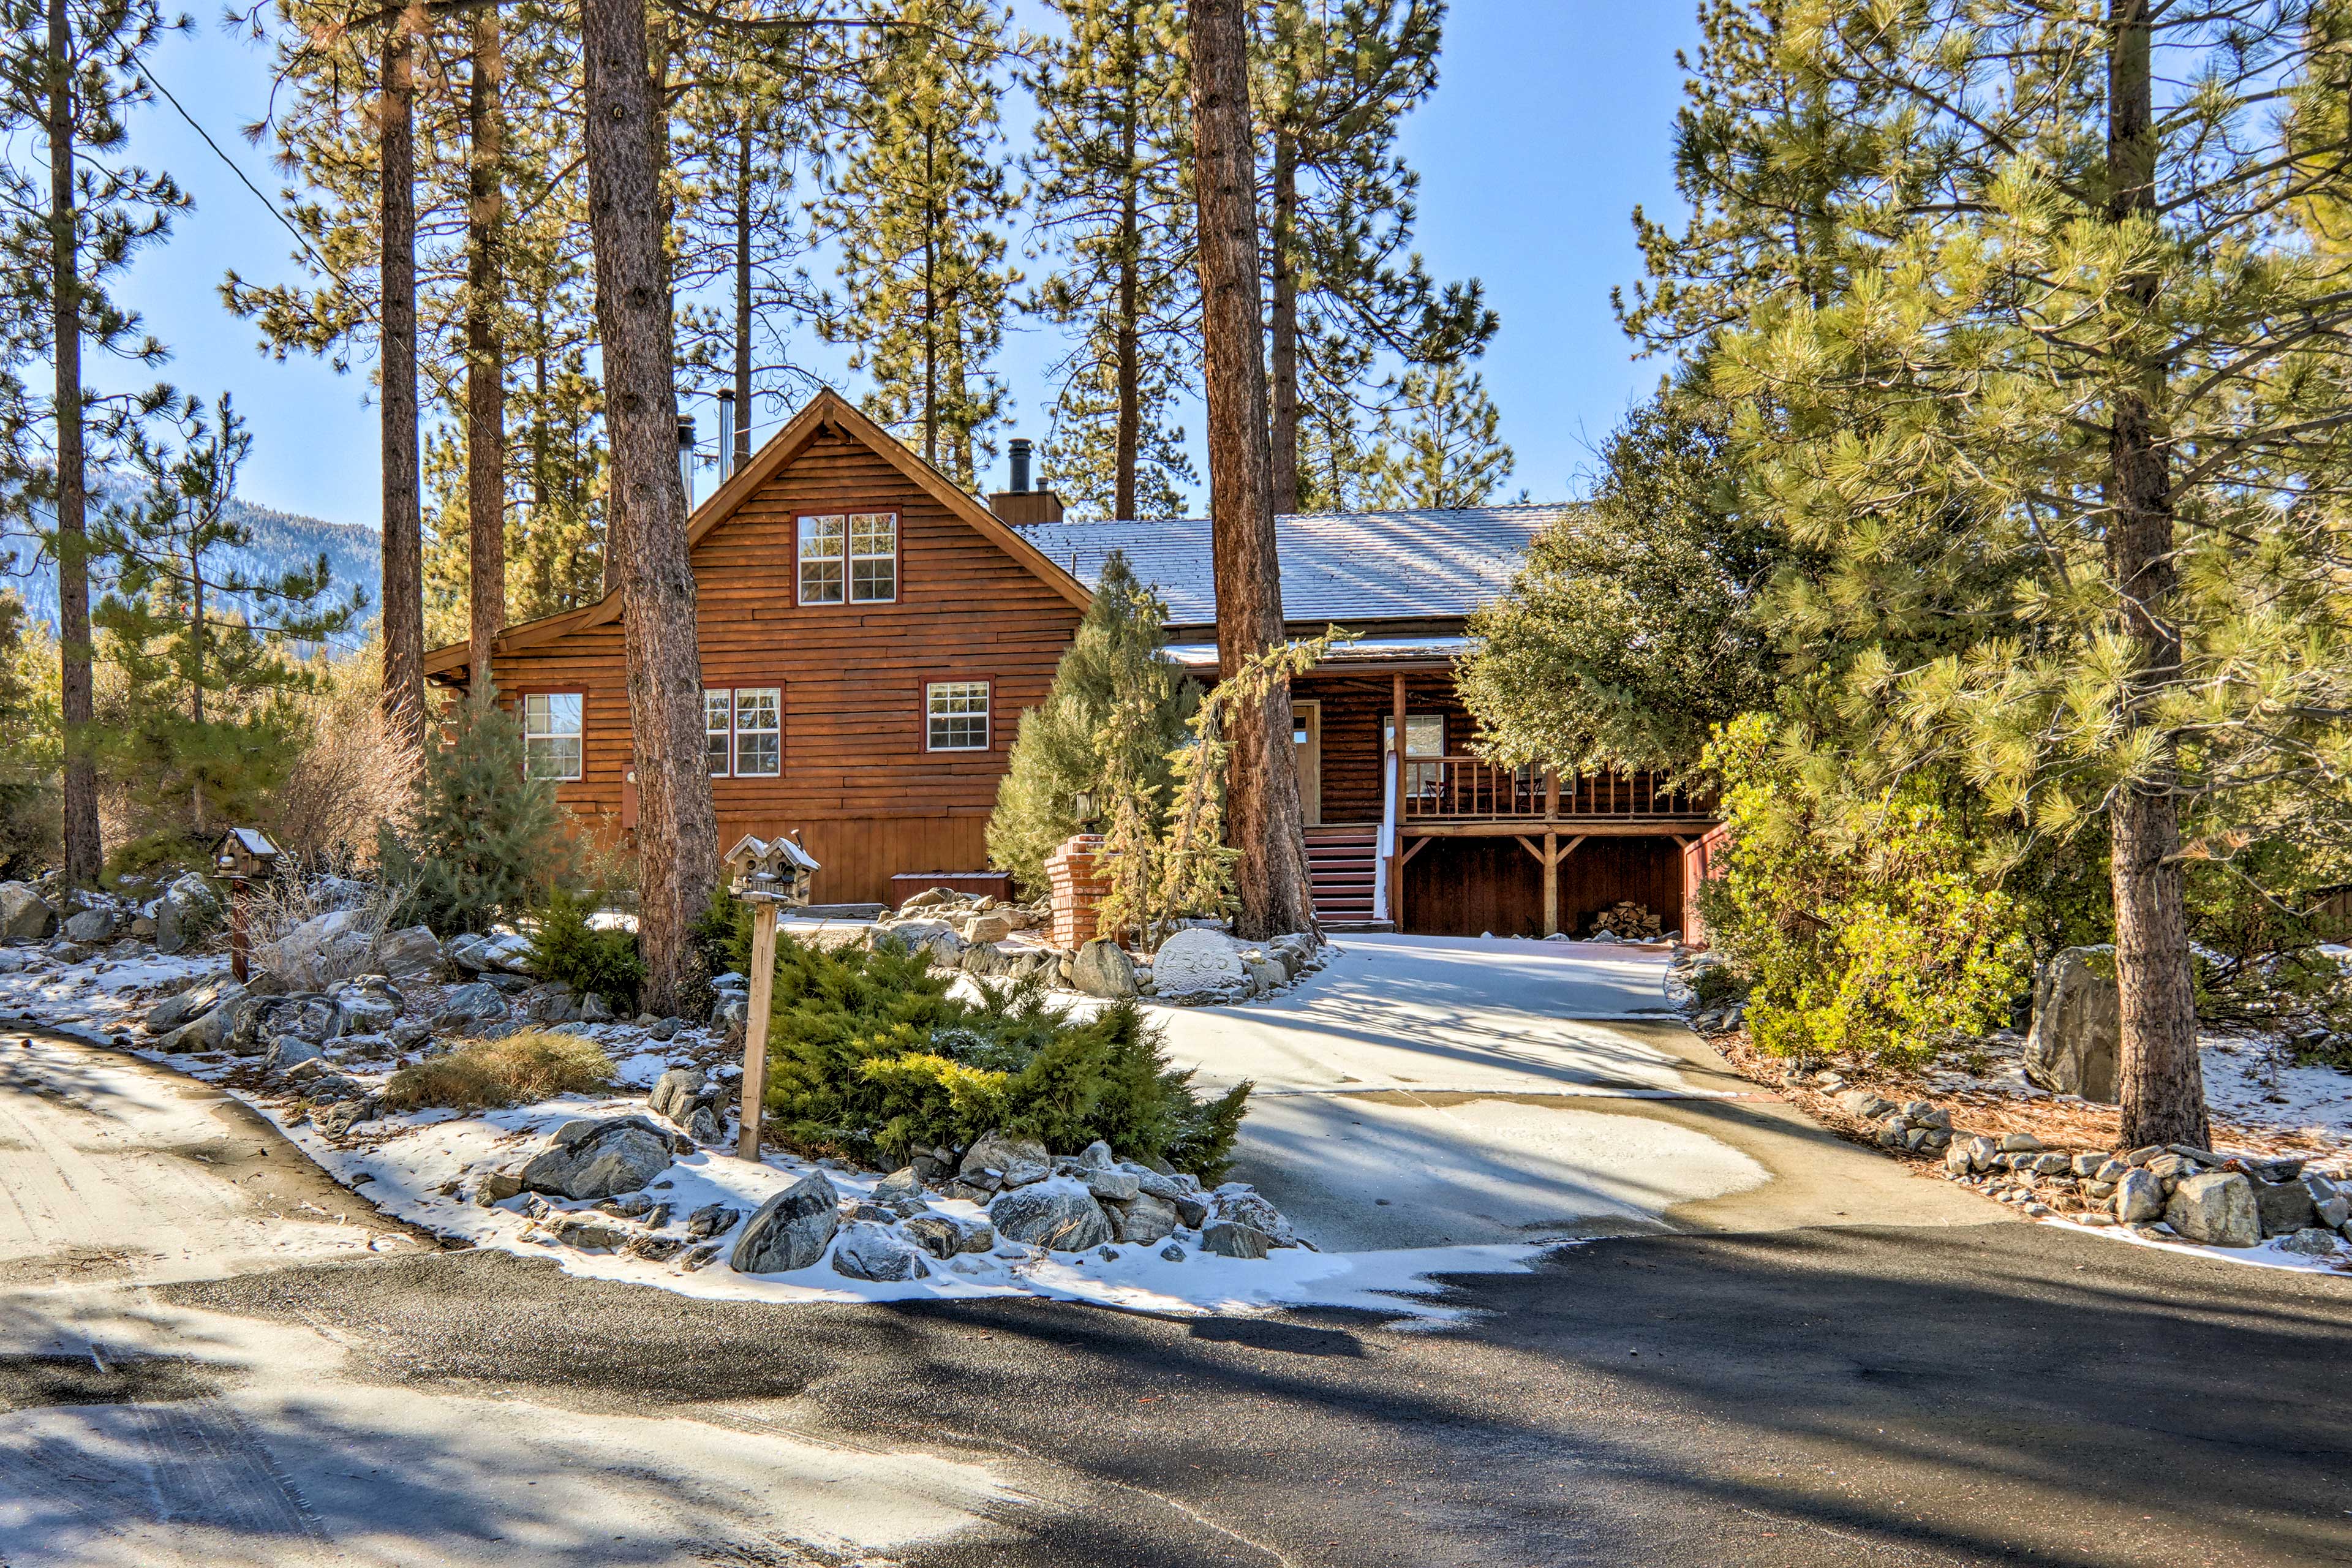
column 1766, row 1391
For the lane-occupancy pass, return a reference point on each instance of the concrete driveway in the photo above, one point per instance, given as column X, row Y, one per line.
column 1426, row 1092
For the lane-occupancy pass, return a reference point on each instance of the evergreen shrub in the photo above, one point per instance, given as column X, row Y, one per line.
column 485, row 842
column 567, row 949
column 869, row 1055
column 1863, row 926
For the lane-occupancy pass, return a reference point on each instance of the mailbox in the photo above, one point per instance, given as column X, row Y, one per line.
column 771, row 870
column 244, row 854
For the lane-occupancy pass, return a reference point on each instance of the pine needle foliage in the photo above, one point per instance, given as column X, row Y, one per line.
column 566, row 947
column 1067, row 743
column 486, row 843
column 869, row 1055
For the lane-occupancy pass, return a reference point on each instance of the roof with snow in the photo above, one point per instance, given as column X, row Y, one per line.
column 1336, row 566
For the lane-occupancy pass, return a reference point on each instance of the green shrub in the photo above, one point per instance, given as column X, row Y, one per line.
column 868, row 1055
column 1863, row 926
column 486, row 842
column 722, row 933
column 566, row 947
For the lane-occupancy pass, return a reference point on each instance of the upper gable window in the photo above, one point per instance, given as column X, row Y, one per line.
column 849, row 558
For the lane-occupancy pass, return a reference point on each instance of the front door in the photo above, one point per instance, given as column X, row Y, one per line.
column 1306, row 732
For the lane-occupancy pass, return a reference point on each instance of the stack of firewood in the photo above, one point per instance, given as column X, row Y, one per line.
column 1628, row 922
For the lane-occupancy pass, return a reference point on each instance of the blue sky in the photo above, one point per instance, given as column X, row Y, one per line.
column 1550, row 123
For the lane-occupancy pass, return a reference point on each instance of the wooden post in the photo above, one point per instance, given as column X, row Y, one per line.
column 1396, row 825
column 755, row 1028
column 1551, row 884
column 238, row 940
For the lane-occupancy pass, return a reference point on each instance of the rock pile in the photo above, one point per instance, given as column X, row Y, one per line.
column 2170, row 1192
column 1205, row 966
column 1198, row 966
column 1031, row 1199
column 1914, row 1126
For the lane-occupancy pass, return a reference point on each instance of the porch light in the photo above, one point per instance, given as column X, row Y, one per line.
column 1083, row 803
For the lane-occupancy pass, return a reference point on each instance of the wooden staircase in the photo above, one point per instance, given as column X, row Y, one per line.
column 1344, row 862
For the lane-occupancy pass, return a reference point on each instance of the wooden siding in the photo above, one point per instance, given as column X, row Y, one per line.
column 1465, row 887
column 868, row 798
column 1354, row 708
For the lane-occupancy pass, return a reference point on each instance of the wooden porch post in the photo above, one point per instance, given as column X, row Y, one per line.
column 1551, row 884
column 1396, row 822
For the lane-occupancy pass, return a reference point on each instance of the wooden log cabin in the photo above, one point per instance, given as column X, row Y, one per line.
column 870, row 635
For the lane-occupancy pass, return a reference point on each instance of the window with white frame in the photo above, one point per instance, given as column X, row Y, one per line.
column 744, row 732
column 1424, row 736
column 956, row 714
column 551, row 734
column 849, row 558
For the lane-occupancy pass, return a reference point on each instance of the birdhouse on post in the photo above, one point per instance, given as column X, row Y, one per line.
column 242, row 855
column 770, row 875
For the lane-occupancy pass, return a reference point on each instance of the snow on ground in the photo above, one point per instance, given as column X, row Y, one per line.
column 412, row 1165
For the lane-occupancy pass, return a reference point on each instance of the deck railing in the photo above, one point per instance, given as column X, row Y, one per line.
column 1466, row 788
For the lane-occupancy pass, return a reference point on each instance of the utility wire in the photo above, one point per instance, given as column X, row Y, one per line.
column 284, row 221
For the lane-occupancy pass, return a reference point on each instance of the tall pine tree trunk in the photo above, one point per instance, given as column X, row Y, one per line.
column 83, row 850
column 1262, row 816
column 1283, row 322
column 486, row 369
column 403, row 522
column 742, row 454
column 678, row 832
column 1130, row 435
column 2163, row 1082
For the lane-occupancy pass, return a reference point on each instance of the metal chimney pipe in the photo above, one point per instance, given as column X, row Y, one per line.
column 1020, row 445
column 686, row 456
column 726, row 433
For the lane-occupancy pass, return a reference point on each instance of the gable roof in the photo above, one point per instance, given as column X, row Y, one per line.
column 828, row 410
column 1336, row 566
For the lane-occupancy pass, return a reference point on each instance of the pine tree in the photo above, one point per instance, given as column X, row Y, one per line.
column 1068, row 743
column 204, row 721
column 1347, row 293
column 1442, row 447
column 916, row 206
column 31, row 818
column 2059, row 408
column 1109, row 192
column 486, row 841
column 74, row 69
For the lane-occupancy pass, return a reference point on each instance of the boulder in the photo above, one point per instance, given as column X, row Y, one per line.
column 172, row 929
column 91, row 925
column 1102, row 968
column 261, row 1019
column 2217, row 1208
column 209, row 1031
column 504, row 953
column 362, row 1009
column 2020, row 1144
column 675, row 1093
column 1243, row 1207
column 320, row 950
column 945, row 1235
column 1228, row 1239
column 1115, row 1186
column 1015, row 1162
column 25, row 916
column 702, row 1125
column 791, row 1230
column 2076, row 1042
column 1057, row 1213
column 409, row 954
column 901, row 1185
column 864, row 1250
column 551, row 1003
column 731, row 1013
column 594, row 1009
column 287, row 1052
column 194, row 1002
column 711, row 1219
column 1198, row 960
column 591, row 1158
column 337, row 1120
column 1267, row 974
column 2284, row 1207
column 2139, row 1197
column 993, row 926
column 1142, row 1219
column 2310, row 1241
column 471, row 1004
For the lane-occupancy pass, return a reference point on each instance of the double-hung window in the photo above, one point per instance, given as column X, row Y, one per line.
column 849, row 558
column 955, row 716
column 551, row 734
column 744, row 732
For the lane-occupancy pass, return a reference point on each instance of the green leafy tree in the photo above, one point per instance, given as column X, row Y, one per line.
column 2055, row 391
column 1634, row 628
column 1111, row 195
column 486, row 842
column 1861, row 922
column 204, row 723
column 916, row 206
column 1067, row 743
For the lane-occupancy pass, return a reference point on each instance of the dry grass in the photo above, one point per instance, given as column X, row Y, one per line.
column 277, row 905
column 485, row 1075
column 354, row 771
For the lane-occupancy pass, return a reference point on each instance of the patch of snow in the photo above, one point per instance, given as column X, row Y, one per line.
column 2269, row 1255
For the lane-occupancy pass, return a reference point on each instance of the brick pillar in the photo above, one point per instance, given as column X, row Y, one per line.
column 1074, row 870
